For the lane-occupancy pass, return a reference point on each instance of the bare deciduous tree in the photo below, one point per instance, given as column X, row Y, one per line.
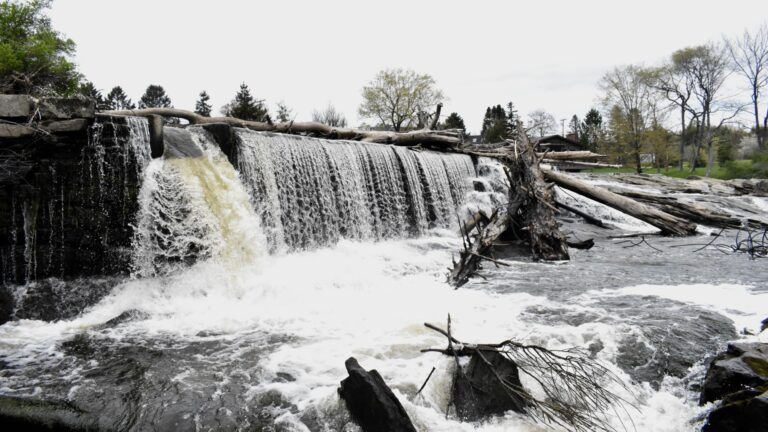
column 541, row 123
column 749, row 55
column 330, row 116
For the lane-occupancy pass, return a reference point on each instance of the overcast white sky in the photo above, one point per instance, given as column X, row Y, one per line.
column 539, row 54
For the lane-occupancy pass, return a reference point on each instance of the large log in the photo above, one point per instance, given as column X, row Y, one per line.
column 424, row 137
column 668, row 224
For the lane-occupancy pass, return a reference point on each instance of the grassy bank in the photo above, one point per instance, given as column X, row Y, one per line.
column 719, row 172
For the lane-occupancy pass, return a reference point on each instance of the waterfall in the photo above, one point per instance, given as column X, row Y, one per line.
column 311, row 192
column 193, row 208
column 72, row 215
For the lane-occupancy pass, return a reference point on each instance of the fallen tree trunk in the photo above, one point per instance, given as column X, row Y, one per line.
column 668, row 224
column 687, row 211
column 476, row 251
column 587, row 218
column 571, row 155
column 578, row 164
column 427, row 138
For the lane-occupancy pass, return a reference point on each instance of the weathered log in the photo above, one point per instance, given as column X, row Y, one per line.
column 668, row 224
column 475, row 251
column 427, row 138
column 688, row 211
column 578, row 164
column 571, row 155
column 587, row 218
column 370, row 401
column 585, row 244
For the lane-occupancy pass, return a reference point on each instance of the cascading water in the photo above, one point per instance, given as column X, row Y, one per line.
column 312, row 192
column 216, row 334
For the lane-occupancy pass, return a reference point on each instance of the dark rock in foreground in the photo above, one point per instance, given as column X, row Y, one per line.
column 478, row 393
column 738, row 377
column 370, row 401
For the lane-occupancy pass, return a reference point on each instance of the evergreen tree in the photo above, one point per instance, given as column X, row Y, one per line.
column 454, row 121
column 155, row 97
column 592, row 130
column 245, row 107
column 202, row 106
column 89, row 90
column 512, row 120
column 284, row 113
column 494, row 125
column 118, row 100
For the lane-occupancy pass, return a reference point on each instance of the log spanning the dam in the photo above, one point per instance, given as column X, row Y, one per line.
column 425, row 137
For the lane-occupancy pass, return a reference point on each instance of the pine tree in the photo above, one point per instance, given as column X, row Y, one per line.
column 512, row 120
column 202, row 106
column 454, row 121
column 284, row 113
column 574, row 127
column 155, row 97
column 245, row 107
column 592, row 130
column 494, row 125
column 89, row 90
column 487, row 121
column 118, row 100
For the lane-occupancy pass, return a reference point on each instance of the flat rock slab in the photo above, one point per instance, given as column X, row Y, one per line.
column 749, row 415
column 15, row 106
column 73, row 125
column 15, row 131
column 370, row 401
column 66, row 108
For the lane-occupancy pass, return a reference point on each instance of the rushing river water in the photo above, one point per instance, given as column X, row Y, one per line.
column 216, row 333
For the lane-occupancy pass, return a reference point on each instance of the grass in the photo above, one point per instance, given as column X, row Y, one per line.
column 718, row 172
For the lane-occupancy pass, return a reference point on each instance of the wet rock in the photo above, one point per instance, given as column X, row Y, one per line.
column 127, row 316
column 586, row 244
column 6, row 304
column 15, row 106
column 740, row 367
column 19, row 414
column 179, row 144
column 55, row 299
column 747, row 413
column 372, row 404
column 478, row 393
column 478, row 186
column 764, row 325
column 66, row 108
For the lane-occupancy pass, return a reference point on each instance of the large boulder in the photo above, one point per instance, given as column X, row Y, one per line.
column 739, row 379
column 478, row 393
column 741, row 366
column 746, row 411
column 370, row 401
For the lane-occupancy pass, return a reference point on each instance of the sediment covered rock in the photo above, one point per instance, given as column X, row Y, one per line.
column 478, row 393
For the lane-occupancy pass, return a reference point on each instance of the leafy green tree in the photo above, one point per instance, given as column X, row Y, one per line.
column 118, row 100
column 202, row 106
column 395, row 97
column 454, row 121
column 245, row 107
column 155, row 97
column 34, row 58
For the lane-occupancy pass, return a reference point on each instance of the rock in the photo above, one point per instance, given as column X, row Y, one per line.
column 17, row 414
column 73, row 125
column 15, row 106
column 746, row 414
column 763, row 324
column 478, row 392
column 54, row 299
column 127, row 316
column 741, row 366
column 15, row 131
column 6, row 304
column 178, row 144
column 371, row 403
column 586, row 244
column 66, row 108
